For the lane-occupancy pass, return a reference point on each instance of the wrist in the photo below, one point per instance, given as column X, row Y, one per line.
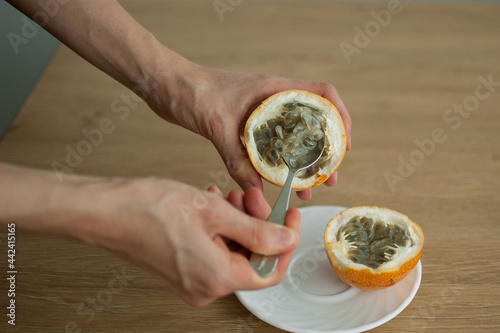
column 88, row 209
column 78, row 208
column 37, row 202
column 177, row 90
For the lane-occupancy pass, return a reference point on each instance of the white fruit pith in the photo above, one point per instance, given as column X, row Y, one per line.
column 290, row 121
column 373, row 238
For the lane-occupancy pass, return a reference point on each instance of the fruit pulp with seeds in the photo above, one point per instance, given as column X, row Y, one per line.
column 295, row 132
column 373, row 243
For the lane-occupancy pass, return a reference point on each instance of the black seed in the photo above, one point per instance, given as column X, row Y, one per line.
column 289, row 106
column 274, row 153
column 309, row 143
column 261, row 149
column 353, row 259
column 364, row 248
column 289, row 146
column 379, row 229
column 267, row 133
column 369, row 233
column 366, row 221
column 315, row 110
column 292, row 116
column 270, row 160
column 280, row 121
column 279, row 131
column 352, row 237
column 356, row 251
column 272, row 124
column 299, row 128
column 315, row 122
column 353, row 220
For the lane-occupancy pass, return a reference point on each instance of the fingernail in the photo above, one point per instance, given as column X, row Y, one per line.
column 286, row 237
column 218, row 190
column 214, row 189
column 247, row 186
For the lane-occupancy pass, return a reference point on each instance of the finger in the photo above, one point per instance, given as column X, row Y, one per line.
column 235, row 198
column 255, row 203
column 332, row 180
column 292, row 219
column 237, row 163
column 333, row 96
column 256, row 235
column 330, row 93
column 245, row 278
column 304, row 194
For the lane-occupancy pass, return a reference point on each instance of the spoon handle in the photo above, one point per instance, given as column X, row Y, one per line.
column 281, row 206
column 265, row 265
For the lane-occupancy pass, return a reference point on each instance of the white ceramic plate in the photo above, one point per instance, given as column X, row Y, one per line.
column 312, row 299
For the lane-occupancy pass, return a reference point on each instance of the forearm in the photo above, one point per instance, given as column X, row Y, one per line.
column 104, row 34
column 37, row 202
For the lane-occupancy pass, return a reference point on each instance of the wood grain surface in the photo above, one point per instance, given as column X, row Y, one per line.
column 398, row 89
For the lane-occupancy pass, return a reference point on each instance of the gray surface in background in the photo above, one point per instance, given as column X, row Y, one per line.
column 25, row 50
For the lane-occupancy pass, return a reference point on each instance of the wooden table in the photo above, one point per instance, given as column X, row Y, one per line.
column 399, row 85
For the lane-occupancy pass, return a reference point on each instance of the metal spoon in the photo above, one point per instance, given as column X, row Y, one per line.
column 265, row 265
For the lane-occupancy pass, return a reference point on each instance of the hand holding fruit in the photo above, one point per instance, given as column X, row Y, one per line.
column 218, row 105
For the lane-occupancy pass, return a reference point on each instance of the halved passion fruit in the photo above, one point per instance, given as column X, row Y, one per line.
column 294, row 121
column 372, row 247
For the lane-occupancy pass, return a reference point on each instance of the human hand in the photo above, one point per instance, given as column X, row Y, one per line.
column 213, row 103
column 216, row 104
column 186, row 237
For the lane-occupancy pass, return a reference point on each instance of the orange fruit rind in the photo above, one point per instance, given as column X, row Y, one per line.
column 290, row 110
column 372, row 255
